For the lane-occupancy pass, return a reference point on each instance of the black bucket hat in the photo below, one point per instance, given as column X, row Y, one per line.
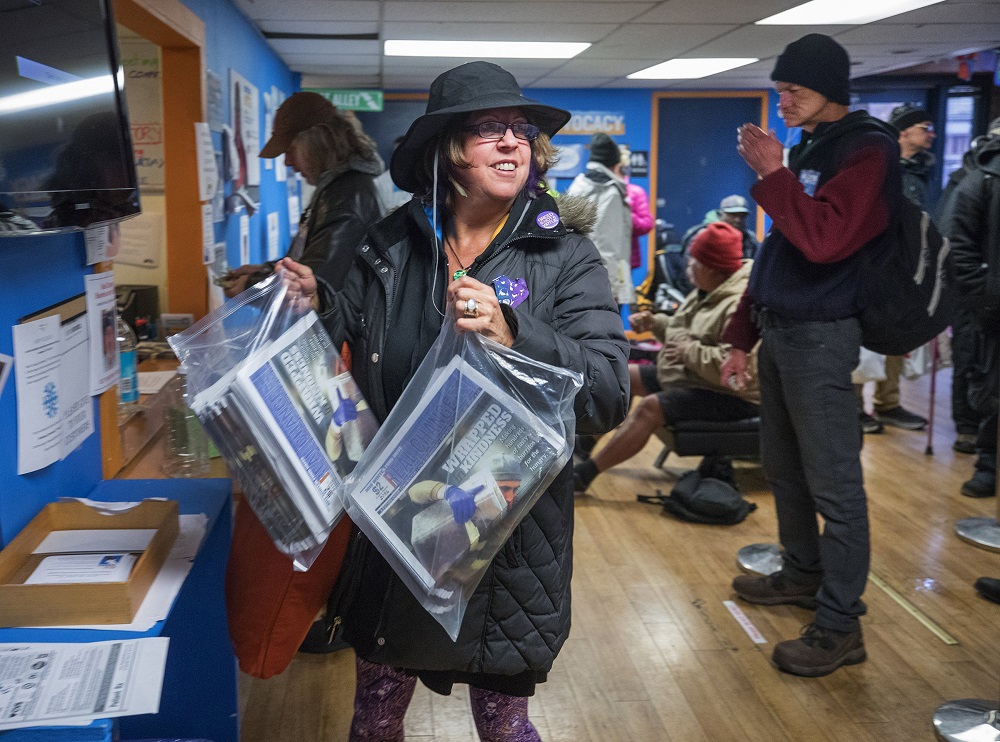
column 474, row 86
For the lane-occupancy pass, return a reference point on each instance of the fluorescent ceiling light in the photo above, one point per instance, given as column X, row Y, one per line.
column 484, row 49
column 690, row 69
column 57, row 94
column 843, row 12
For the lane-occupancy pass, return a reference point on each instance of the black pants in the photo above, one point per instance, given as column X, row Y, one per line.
column 811, row 453
column 963, row 347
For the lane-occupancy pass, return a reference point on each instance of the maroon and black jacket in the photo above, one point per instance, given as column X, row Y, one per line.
column 829, row 209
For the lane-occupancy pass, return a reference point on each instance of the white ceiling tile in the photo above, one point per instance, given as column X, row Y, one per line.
column 763, row 42
column 653, row 42
column 337, row 61
column 311, row 80
column 319, row 27
column 310, row 10
column 971, row 12
column 626, row 36
column 521, row 12
column 324, row 46
column 497, row 32
column 550, row 81
column 958, row 33
column 718, row 11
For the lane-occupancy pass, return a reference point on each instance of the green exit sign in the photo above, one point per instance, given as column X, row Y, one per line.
column 352, row 100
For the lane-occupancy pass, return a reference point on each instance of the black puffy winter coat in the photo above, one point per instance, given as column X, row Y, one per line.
column 974, row 232
column 519, row 616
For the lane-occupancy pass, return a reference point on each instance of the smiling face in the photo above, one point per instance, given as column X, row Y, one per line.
column 497, row 169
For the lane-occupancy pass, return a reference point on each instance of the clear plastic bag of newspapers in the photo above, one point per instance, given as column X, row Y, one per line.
column 477, row 436
column 274, row 395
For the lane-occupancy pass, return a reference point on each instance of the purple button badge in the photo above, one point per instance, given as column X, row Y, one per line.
column 547, row 220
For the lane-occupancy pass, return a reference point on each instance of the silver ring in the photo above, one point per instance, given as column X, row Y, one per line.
column 471, row 309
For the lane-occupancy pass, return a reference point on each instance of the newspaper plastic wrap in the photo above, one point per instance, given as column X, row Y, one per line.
column 275, row 397
column 477, row 436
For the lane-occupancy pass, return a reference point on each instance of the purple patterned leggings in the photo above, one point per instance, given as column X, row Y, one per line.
column 383, row 695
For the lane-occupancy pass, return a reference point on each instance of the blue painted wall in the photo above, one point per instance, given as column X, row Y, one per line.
column 36, row 272
column 233, row 42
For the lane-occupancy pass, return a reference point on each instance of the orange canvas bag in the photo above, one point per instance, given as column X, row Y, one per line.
column 270, row 607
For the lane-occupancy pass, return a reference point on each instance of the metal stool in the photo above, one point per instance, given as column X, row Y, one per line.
column 740, row 438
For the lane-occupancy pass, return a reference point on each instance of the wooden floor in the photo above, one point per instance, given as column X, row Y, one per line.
column 654, row 655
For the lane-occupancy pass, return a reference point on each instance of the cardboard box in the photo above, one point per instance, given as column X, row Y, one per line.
column 92, row 603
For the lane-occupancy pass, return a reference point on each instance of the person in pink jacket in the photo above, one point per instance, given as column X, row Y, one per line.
column 638, row 202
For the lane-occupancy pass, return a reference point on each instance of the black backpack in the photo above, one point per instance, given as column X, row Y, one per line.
column 701, row 499
column 909, row 298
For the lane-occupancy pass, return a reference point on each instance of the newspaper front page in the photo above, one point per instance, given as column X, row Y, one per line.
column 447, row 481
column 294, row 424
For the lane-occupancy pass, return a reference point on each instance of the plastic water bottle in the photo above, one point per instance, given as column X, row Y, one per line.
column 128, row 381
column 186, row 451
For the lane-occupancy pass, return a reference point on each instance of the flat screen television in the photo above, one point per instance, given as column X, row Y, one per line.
column 66, row 157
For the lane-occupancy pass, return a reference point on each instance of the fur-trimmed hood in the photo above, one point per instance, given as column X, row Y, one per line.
column 578, row 213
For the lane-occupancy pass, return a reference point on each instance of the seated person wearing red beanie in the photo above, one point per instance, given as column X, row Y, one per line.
column 685, row 383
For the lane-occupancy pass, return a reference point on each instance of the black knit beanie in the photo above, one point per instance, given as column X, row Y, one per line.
column 903, row 117
column 819, row 63
column 604, row 150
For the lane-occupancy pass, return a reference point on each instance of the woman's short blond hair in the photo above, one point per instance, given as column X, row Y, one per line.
column 451, row 146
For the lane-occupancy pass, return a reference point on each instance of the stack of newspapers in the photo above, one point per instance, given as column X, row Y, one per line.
column 292, row 424
column 450, row 476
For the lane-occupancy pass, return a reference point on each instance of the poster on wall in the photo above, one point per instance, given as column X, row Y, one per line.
column 273, row 236
column 214, row 100
column 244, row 239
column 272, row 100
column 101, row 308
column 78, row 410
column 39, row 419
column 102, row 243
column 6, row 364
column 571, row 162
column 244, row 102
column 141, row 66
column 142, row 240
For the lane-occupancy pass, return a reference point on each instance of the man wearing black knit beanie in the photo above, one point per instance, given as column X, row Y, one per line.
column 829, row 206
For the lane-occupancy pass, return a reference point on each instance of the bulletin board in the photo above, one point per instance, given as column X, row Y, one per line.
column 141, row 64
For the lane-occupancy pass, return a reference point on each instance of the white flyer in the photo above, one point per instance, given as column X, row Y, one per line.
column 273, row 236
column 101, row 308
column 103, row 242
column 39, row 419
column 6, row 364
column 208, row 177
column 207, row 234
column 244, row 101
column 56, row 684
column 74, row 386
column 61, row 569
column 244, row 239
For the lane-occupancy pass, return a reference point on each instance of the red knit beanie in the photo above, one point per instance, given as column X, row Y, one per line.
column 718, row 246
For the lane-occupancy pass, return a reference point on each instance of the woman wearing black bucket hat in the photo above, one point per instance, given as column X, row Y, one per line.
column 481, row 238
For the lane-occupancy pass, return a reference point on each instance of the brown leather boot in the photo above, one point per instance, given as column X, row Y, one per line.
column 819, row 651
column 775, row 589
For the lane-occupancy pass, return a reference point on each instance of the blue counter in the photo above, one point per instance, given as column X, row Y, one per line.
column 199, row 698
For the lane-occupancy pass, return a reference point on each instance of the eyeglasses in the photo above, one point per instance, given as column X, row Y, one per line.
column 925, row 127
column 494, row 130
